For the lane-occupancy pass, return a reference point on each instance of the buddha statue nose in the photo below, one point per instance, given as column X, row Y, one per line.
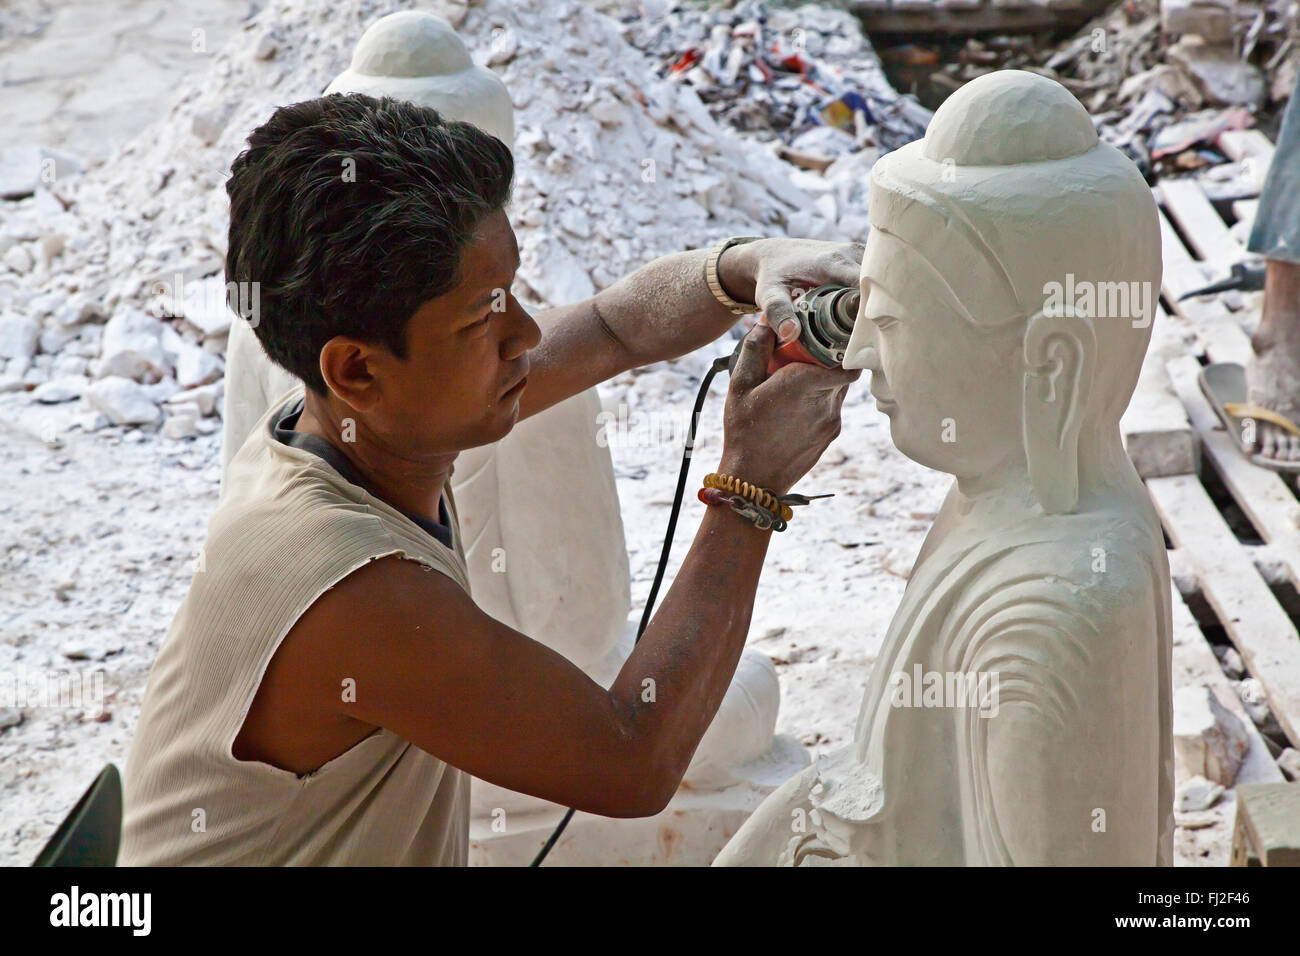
column 861, row 351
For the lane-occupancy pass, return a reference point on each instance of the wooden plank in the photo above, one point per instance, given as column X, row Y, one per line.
column 1248, row 145
column 1255, row 622
column 1271, row 815
column 1217, row 329
column 1157, row 435
column 1243, row 853
column 1261, row 494
column 1206, row 233
column 1194, row 666
column 1220, row 335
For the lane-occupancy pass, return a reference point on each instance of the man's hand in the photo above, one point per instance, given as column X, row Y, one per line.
column 770, row 272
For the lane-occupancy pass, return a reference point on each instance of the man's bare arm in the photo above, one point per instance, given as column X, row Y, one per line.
column 665, row 310
column 429, row 665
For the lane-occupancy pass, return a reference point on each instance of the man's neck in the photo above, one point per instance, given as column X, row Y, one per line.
column 412, row 486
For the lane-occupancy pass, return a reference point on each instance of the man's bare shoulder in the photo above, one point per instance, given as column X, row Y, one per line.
column 299, row 718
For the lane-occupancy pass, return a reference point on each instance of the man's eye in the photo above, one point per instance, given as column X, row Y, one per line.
column 481, row 322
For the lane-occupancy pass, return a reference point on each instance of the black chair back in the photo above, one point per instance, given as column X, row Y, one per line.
column 91, row 833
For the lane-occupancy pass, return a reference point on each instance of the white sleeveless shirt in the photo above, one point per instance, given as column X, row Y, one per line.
column 288, row 528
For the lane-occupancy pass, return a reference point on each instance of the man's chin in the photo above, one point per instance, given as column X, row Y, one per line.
column 501, row 424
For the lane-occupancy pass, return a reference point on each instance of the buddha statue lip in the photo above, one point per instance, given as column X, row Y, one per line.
column 886, row 403
column 1045, row 568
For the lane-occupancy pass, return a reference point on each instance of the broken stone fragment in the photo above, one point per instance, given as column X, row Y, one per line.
column 1251, row 692
column 1289, row 762
column 18, row 337
column 266, row 46
column 23, row 169
column 19, row 260
column 79, row 309
column 1219, row 73
column 204, row 397
column 1211, row 20
column 181, row 423
column 205, row 307
column 1197, row 794
column 123, row 401
column 505, row 45
column 131, row 346
column 1209, row 740
column 63, row 389
column 196, row 366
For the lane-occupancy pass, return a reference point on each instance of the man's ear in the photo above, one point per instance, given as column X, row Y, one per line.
column 1060, row 353
column 347, row 366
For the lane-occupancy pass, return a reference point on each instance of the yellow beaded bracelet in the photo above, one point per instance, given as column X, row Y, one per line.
column 760, row 496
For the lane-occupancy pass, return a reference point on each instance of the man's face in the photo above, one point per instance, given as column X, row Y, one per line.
column 465, row 351
column 952, row 392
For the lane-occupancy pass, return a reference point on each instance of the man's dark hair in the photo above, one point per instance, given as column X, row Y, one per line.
column 349, row 212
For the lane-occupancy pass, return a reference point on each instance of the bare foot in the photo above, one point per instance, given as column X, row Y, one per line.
column 1273, row 382
column 1273, row 372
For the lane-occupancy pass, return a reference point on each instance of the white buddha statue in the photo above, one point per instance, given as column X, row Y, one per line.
column 539, row 509
column 1020, row 710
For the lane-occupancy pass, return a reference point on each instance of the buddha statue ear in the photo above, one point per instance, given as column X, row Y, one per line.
column 1060, row 352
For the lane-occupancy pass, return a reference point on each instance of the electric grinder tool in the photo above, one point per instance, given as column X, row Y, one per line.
column 825, row 315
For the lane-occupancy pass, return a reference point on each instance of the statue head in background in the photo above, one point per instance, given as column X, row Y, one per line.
column 419, row 57
column 1008, row 287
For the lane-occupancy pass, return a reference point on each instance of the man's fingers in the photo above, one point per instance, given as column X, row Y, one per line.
column 755, row 350
column 815, row 378
column 846, row 266
column 778, row 307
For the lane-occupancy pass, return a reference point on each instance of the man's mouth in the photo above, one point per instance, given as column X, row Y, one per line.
column 518, row 385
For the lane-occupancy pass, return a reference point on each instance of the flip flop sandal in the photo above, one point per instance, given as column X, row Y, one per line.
column 1224, row 385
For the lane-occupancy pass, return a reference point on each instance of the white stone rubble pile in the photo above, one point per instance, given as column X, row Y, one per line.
column 111, row 280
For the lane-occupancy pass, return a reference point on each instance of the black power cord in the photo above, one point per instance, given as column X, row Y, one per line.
column 723, row 362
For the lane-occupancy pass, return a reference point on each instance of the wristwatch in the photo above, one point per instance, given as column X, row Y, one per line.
column 715, row 285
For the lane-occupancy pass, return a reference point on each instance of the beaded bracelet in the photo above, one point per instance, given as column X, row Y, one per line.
column 758, row 505
column 760, row 496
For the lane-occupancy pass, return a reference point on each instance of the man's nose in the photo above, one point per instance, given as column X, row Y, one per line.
column 524, row 334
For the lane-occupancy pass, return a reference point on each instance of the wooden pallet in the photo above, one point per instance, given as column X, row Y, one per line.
column 1268, row 825
column 1255, row 622
column 1225, row 570
column 1157, row 434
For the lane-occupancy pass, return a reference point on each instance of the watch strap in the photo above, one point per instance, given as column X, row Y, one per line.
column 715, row 284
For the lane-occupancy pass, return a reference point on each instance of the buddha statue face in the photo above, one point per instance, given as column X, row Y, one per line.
column 929, row 364
column 985, row 369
